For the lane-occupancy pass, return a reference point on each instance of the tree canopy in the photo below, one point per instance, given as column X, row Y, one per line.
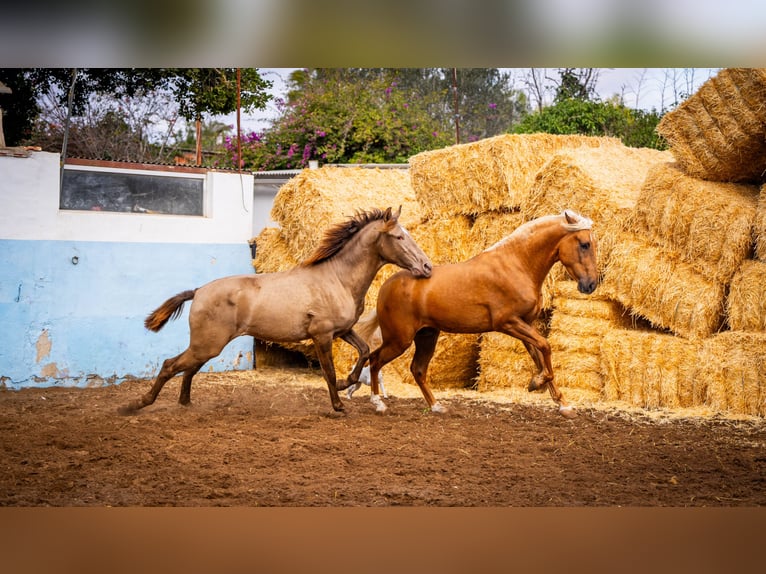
column 576, row 110
column 380, row 115
column 196, row 91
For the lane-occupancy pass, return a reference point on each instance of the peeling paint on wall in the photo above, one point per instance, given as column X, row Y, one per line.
column 43, row 346
column 50, row 371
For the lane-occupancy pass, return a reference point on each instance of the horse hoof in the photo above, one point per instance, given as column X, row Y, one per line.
column 567, row 411
column 131, row 408
column 438, row 408
column 380, row 406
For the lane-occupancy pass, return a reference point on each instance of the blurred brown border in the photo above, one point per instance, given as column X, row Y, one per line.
column 394, row 540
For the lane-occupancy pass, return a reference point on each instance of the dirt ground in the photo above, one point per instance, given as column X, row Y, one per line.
column 270, row 438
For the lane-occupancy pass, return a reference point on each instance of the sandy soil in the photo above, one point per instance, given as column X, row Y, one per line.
column 270, row 438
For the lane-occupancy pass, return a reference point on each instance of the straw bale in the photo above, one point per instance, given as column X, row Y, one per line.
column 454, row 364
column 490, row 227
column 600, row 183
column 503, row 362
column 651, row 370
column 708, row 224
column 490, row 174
column 445, row 239
column 734, row 372
column 715, row 134
column 272, row 253
column 316, row 199
column 577, row 325
column 654, row 283
column 746, row 301
column 759, row 227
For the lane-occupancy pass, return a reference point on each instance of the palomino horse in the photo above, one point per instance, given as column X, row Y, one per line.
column 320, row 299
column 497, row 290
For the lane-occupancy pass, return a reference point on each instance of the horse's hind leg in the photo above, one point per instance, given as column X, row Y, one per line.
column 387, row 352
column 170, row 368
column 425, row 345
column 353, row 339
column 187, row 362
column 184, row 397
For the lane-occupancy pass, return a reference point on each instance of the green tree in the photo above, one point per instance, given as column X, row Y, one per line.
column 196, row 91
column 344, row 116
column 487, row 105
column 574, row 112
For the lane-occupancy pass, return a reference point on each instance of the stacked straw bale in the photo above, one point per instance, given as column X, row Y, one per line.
column 490, row 174
column 746, row 301
column 655, row 283
column 719, row 133
column 707, row 224
column 577, row 326
column 759, row 227
column 491, row 226
column 504, row 361
column 602, row 183
column 272, row 252
column 453, row 366
column 733, row 369
column 445, row 239
column 315, row 199
column 651, row 369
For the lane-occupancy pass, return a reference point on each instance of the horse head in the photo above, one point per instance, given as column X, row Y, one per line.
column 578, row 251
column 396, row 245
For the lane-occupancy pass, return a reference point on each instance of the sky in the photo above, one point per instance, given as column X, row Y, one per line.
column 642, row 88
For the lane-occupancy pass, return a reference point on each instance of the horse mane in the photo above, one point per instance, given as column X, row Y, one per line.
column 528, row 227
column 581, row 223
column 341, row 233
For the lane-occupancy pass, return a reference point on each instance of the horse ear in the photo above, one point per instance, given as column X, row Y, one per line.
column 570, row 216
column 398, row 212
column 387, row 214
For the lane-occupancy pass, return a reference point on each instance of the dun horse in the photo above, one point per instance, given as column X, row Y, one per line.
column 497, row 290
column 320, row 299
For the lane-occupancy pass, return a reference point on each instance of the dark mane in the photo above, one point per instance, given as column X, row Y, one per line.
column 338, row 235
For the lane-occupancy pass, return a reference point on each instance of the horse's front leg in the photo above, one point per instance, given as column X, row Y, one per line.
column 364, row 353
column 531, row 337
column 323, row 346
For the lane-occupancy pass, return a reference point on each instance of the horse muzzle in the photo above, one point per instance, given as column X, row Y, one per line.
column 587, row 285
column 424, row 270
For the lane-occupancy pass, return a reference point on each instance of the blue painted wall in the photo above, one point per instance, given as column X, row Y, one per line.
column 82, row 324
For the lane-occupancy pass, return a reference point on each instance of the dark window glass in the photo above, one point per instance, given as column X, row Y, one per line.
column 131, row 192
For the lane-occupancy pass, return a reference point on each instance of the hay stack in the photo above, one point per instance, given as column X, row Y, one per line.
column 504, row 361
column 453, row 366
column 491, row 226
column 656, row 284
column 490, row 174
column 759, row 227
column 601, row 183
column 650, row 369
column 746, row 301
column 578, row 324
column 707, row 224
column 445, row 239
column 719, row 133
column 734, row 372
column 316, row 199
column 272, row 252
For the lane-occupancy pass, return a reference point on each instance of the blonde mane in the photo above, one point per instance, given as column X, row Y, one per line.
column 528, row 227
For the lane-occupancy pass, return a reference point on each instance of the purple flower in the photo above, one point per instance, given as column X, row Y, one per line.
column 492, row 106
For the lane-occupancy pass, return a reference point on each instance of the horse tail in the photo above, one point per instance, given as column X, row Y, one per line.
column 170, row 309
column 368, row 329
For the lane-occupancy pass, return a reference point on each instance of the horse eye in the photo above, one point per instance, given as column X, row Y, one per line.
column 585, row 246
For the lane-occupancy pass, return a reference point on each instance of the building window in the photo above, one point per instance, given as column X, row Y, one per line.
column 128, row 191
